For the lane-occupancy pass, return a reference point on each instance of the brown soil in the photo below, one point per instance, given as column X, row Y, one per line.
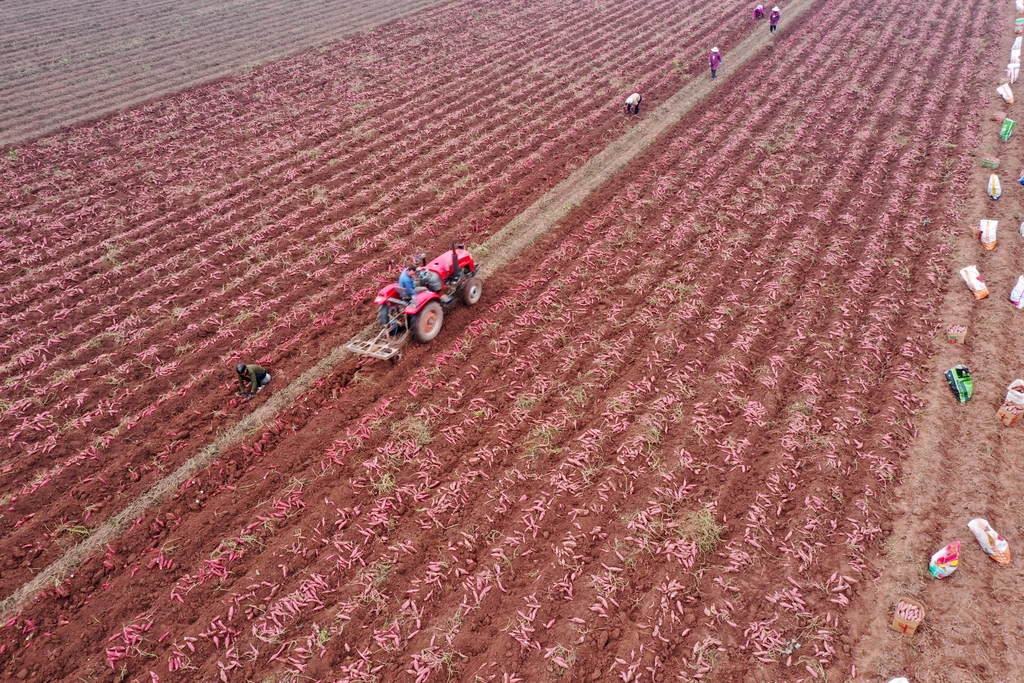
column 960, row 466
column 660, row 448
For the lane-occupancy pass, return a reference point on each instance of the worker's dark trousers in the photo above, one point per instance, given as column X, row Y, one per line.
column 713, row 72
column 634, row 109
column 772, row 28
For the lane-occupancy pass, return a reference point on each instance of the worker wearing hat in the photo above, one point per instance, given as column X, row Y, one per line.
column 252, row 375
column 773, row 19
column 714, row 60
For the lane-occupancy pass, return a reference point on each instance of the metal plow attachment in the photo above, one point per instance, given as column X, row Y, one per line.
column 378, row 344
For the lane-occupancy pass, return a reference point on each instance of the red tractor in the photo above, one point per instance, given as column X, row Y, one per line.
column 448, row 278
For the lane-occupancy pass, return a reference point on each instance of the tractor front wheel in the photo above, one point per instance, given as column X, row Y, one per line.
column 427, row 323
column 472, row 290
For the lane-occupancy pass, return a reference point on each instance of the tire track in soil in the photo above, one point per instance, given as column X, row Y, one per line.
column 957, row 469
column 501, row 250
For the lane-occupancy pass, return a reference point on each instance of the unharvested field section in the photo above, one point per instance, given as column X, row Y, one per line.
column 64, row 62
column 659, row 450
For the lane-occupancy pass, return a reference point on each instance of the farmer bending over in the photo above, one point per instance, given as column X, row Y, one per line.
column 633, row 103
column 759, row 12
column 773, row 20
column 254, row 376
column 715, row 60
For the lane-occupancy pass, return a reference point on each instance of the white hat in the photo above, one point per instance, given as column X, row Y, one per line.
column 714, row 49
column 775, row 9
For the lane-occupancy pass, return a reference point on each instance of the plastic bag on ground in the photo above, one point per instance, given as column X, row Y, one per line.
column 945, row 561
column 1012, row 72
column 1015, row 392
column 960, row 382
column 995, row 188
column 1013, row 407
column 1021, row 228
column 974, row 281
column 1020, row 6
column 1006, row 129
column 987, row 234
column 1005, row 92
column 994, row 545
column 1017, row 293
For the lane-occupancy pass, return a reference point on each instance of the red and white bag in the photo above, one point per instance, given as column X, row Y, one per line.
column 1013, row 407
column 974, row 281
column 994, row 545
column 1017, row 293
column 989, row 228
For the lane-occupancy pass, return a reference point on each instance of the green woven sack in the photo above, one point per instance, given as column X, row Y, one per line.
column 960, row 382
column 1008, row 126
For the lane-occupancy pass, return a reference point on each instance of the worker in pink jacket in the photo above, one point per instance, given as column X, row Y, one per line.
column 714, row 60
column 773, row 19
column 759, row 12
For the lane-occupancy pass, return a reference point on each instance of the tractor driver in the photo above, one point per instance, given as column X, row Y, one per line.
column 407, row 283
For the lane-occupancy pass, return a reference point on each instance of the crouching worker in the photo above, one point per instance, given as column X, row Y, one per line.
column 251, row 379
column 759, row 12
column 633, row 103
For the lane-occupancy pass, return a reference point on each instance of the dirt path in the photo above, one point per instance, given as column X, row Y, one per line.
column 501, row 249
column 964, row 463
column 524, row 229
column 106, row 58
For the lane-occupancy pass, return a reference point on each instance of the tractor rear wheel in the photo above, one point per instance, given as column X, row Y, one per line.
column 472, row 290
column 427, row 323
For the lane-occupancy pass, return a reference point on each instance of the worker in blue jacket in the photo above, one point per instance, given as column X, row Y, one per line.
column 407, row 283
